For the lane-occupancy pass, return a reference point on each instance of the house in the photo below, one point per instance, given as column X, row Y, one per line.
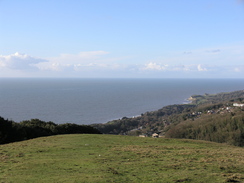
column 143, row 135
column 210, row 111
column 155, row 135
column 238, row 105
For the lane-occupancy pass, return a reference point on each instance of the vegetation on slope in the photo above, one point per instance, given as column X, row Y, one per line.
column 223, row 128
column 208, row 117
column 114, row 158
column 11, row 131
column 149, row 122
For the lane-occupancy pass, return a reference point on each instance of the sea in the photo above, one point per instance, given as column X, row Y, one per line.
column 88, row 101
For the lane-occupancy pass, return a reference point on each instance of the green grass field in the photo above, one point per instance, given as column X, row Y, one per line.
column 110, row 158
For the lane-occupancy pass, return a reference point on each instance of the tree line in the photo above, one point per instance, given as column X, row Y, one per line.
column 11, row 131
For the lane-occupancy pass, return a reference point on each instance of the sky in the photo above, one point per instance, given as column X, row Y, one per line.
column 122, row 38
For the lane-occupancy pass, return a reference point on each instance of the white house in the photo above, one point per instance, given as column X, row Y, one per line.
column 155, row 135
column 142, row 136
column 238, row 105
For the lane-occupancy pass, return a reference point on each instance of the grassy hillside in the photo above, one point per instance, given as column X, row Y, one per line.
column 110, row 158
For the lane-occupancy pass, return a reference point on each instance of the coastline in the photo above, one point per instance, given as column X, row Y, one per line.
column 84, row 101
column 193, row 99
column 190, row 99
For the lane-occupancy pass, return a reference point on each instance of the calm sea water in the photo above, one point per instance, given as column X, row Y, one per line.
column 87, row 101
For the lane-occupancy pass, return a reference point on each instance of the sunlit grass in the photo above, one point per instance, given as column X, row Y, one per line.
column 108, row 158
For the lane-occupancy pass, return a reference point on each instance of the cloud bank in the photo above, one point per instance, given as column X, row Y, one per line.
column 75, row 62
column 18, row 61
column 102, row 64
column 166, row 67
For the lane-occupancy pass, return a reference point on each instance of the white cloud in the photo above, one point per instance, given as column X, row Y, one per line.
column 74, row 61
column 154, row 66
column 188, row 68
column 18, row 61
column 101, row 64
column 63, row 65
column 200, row 68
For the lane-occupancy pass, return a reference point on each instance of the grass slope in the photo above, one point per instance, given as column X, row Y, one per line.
column 109, row 158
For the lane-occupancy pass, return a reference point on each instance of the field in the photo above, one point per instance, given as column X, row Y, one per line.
column 110, row 158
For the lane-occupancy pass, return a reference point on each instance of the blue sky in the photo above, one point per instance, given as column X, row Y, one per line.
column 122, row 39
